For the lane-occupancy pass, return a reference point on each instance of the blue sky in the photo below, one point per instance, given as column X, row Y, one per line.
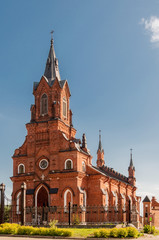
column 109, row 52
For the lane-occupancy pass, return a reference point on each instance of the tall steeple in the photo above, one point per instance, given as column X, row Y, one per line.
column 131, row 160
column 131, row 170
column 52, row 68
column 100, row 142
column 100, row 153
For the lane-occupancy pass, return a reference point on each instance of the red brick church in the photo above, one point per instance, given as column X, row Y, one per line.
column 56, row 167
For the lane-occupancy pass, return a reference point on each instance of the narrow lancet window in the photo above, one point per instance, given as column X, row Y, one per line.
column 64, row 107
column 44, row 104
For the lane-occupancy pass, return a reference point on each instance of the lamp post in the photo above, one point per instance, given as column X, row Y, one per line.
column 2, row 190
column 23, row 203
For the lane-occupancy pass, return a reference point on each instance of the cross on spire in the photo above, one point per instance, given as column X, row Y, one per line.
column 52, row 34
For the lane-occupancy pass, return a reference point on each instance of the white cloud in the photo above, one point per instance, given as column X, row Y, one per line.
column 152, row 26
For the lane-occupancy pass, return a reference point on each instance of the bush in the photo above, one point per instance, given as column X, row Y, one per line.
column 117, row 233
column 114, row 232
column 104, row 233
column 24, row 230
column 28, row 230
column 76, row 219
column 122, row 232
column 8, row 228
column 96, row 234
column 149, row 229
column 53, row 223
column 63, row 232
column 132, row 232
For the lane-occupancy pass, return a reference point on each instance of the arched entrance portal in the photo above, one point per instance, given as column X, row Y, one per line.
column 41, row 204
column 42, row 197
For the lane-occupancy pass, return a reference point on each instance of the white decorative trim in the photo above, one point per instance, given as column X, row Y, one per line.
column 18, row 203
column 80, row 190
column 83, row 166
column 21, row 164
column 113, row 193
column 36, row 194
column 64, row 102
column 103, row 191
column 84, row 199
column 64, row 135
column 122, row 195
column 66, row 163
column 65, row 197
column 41, row 161
column 129, row 197
column 106, row 199
column 116, row 199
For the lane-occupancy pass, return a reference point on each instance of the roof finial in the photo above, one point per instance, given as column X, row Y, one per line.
column 52, row 37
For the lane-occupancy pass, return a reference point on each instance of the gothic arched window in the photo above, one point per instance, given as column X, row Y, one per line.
column 44, row 104
column 116, row 199
column 21, row 168
column 83, row 166
column 68, row 197
column 18, row 201
column 68, row 164
column 106, row 199
column 64, row 107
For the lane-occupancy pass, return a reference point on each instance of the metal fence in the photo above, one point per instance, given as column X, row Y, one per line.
column 64, row 215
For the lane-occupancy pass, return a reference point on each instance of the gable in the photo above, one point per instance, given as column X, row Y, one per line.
column 41, row 86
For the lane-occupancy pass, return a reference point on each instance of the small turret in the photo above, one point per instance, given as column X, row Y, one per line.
column 131, row 170
column 84, row 141
column 146, row 210
column 100, row 153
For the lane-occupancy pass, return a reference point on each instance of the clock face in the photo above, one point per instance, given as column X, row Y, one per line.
column 43, row 164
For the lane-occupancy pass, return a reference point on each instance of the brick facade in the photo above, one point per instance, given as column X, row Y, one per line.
column 151, row 212
column 56, row 167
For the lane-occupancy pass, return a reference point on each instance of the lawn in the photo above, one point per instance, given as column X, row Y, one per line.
column 82, row 232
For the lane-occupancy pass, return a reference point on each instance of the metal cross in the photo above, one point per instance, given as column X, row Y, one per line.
column 52, row 34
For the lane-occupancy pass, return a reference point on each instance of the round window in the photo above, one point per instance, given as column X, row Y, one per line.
column 43, row 164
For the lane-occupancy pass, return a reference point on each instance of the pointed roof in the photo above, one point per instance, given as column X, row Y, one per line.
column 52, row 69
column 131, row 160
column 146, row 199
column 100, row 143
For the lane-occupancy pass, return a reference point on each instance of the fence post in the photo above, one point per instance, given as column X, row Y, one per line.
column 23, row 203
column 2, row 191
column 69, row 213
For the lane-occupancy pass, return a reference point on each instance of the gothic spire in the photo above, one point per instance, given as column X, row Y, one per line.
column 131, row 160
column 100, row 142
column 52, row 69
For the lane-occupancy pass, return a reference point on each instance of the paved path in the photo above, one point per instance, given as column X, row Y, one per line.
column 145, row 237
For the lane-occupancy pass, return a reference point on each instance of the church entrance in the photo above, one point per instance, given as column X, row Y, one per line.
column 42, row 198
column 42, row 204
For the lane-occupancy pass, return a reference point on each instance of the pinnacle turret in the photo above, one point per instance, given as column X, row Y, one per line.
column 100, row 143
column 131, row 171
column 52, row 69
column 100, row 153
column 131, row 161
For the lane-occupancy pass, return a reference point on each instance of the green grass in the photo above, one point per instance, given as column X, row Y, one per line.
column 82, row 232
